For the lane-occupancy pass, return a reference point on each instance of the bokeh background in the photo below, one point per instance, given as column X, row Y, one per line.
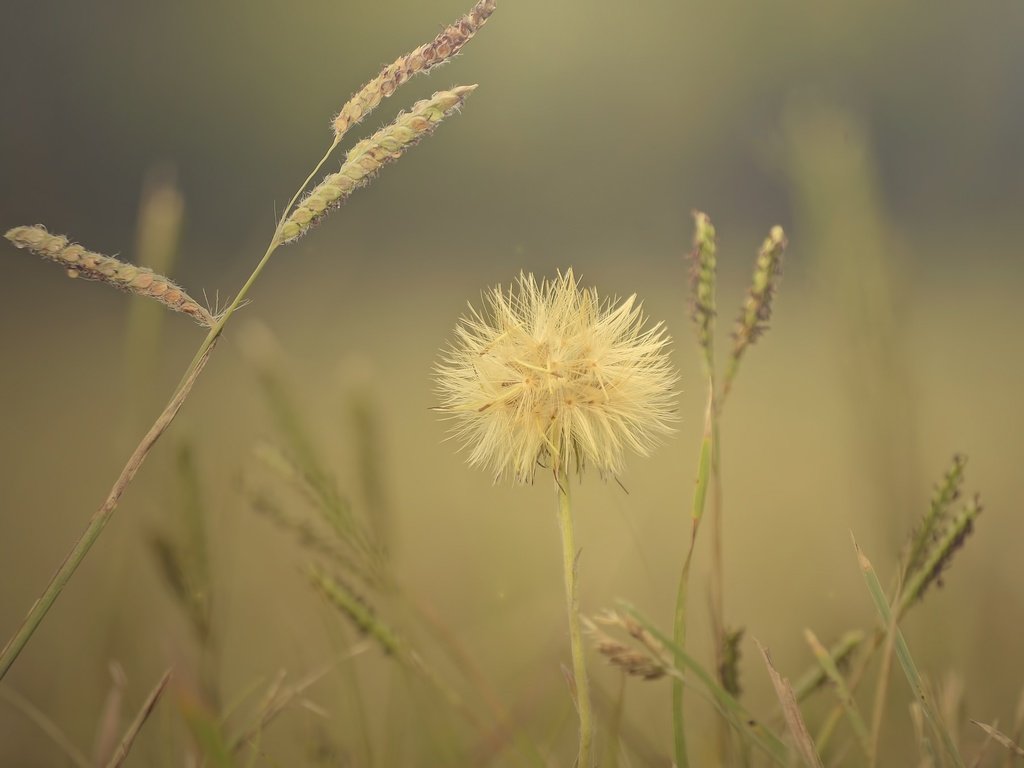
column 884, row 137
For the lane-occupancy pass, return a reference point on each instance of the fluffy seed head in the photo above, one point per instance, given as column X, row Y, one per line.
column 549, row 375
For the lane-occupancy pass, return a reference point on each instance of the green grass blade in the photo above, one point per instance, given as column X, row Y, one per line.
column 905, row 659
column 828, row 666
column 735, row 713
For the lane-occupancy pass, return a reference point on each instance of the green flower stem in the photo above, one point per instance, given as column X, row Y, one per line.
column 102, row 515
column 700, row 495
column 572, row 600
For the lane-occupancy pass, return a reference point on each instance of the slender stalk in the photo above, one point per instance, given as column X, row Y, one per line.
column 717, row 585
column 572, row 600
column 121, row 754
column 700, row 495
column 102, row 516
column 46, row 725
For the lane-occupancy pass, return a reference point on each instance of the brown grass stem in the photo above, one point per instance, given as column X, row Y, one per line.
column 46, row 725
column 99, row 519
column 121, row 753
column 102, row 516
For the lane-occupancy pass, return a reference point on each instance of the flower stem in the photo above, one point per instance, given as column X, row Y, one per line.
column 572, row 600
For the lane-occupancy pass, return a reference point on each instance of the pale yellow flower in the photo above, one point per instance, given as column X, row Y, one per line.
column 549, row 375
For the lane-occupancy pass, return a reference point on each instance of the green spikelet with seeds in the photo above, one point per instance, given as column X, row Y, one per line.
column 757, row 309
column 703, row 267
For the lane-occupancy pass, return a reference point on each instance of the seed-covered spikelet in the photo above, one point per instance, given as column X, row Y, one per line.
column 757, row 309
column 367, row 157
column 95, row 266
column 439, row 50
column 550, row 375
column 703, row 269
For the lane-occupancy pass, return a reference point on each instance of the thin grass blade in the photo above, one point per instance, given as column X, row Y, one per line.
column 121, row 753
column 905, row 659
column 791, row 711
column 1002, row 738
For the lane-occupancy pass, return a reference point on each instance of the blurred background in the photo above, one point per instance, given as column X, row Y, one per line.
column 884, row 137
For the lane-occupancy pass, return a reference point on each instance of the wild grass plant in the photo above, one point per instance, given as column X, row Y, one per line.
column 544, row 380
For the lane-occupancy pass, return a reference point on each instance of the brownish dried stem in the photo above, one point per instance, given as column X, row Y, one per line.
column 100, row 518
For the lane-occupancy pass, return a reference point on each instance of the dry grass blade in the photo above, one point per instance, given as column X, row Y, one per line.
column 275, row 701
column 108, row 728
column 1001, row 737
column 839, row 652
column 140, row 719
column 828, row 665
column 46, row 725
column 905, row 659
column 791, row 711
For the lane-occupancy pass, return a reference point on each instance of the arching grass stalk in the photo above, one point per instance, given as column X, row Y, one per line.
column 703, row 272
column 752, row 323
column 102, row 515
column 362, row 163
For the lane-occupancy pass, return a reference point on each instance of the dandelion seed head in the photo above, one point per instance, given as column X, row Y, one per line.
column 546, row 374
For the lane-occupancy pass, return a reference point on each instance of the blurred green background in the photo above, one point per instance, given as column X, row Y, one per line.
column 885, row 138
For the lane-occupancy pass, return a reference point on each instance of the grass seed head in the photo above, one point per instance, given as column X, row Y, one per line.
column 703, row 269
column 439, row 50
column 95, row 266
column 757, row 309
column 366, row 158
column 548, row 374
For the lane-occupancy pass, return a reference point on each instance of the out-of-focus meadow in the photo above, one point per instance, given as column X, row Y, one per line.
column 884, row 137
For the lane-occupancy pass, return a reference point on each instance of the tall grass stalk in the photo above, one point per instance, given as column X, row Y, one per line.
column 361, row 166
column 889, row 619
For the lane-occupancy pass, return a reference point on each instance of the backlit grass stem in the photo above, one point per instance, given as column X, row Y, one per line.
column 102, row 516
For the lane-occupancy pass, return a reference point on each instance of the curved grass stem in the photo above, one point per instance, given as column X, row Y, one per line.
column 102, row 516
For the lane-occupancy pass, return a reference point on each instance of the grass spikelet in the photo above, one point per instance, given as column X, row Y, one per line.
column 366, row 158
column 946, row 492
column 729, row 661
column 439, row 50
column 757, row 309
column 940, row 554
column 648, row 662
column 703, row 269
column 95, row 266
column 356, row 609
